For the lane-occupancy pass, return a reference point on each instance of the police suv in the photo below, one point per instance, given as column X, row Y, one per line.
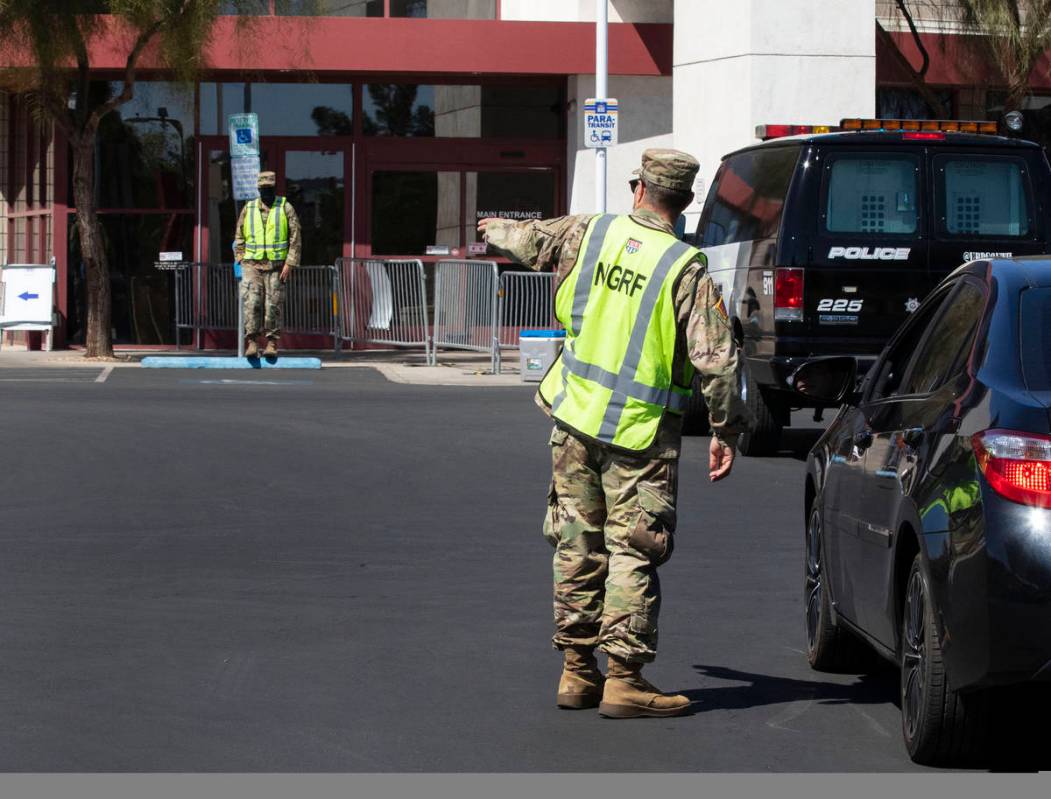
column 823, row 242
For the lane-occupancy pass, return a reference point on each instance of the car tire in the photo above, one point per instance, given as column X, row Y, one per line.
column 765, row 437
column 695, row 420
column 941, row 727
column 830, row 647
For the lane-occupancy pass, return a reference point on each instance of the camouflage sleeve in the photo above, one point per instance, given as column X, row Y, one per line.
column 239, row 237
column 714, row 353
column 295, row 237
column 538, row 244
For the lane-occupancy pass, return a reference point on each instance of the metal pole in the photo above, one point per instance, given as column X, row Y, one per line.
column 239, row 283
column 601, row 91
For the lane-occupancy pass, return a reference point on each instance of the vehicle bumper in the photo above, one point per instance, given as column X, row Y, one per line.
column 773, row 373
column 996, row 614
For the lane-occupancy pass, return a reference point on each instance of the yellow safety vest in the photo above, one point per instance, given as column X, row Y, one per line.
column 613, row 380
column 266, row 241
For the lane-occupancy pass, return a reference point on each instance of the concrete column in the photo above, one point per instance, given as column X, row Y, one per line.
column 749, row 62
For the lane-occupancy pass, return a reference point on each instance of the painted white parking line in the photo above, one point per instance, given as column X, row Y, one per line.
column 105, row 373
column 229, row 382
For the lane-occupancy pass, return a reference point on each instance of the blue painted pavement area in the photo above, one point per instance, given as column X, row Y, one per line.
column 227, row 362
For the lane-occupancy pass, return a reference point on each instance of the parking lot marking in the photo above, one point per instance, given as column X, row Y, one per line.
column 230, row 382
column 104, row 374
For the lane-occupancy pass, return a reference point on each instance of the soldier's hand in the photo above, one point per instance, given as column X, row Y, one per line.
column 286, row 270
column 720, row 460
column 484, row 223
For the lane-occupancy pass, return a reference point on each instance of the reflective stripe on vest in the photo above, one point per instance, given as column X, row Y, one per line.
column 266, row 241
column 619, row 392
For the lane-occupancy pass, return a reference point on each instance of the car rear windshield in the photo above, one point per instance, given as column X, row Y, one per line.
column 873, row 195
column 983, row 196
column 1034, row 338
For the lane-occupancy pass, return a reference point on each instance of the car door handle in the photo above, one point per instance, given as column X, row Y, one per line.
column 863, row 439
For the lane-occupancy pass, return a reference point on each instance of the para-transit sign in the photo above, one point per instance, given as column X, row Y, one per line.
column 600, row 122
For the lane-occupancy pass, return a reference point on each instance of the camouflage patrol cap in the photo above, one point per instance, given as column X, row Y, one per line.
column 267, row 179
column 672, row 169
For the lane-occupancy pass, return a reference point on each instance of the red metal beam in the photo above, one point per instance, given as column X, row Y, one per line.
column 433, row 46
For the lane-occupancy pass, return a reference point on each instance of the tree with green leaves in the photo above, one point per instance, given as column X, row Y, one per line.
column 45, row 51
column 1015, row 34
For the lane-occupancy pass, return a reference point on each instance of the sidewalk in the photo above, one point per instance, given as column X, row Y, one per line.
column 453, row 369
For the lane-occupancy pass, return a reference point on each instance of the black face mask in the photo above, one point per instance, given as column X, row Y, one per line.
column 267, row 194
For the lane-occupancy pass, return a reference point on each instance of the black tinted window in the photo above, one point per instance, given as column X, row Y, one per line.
column 944, row 351
column 983, row 196
column 1034, row 338
column 746, row 201
column 888, row 373
column 870, row 194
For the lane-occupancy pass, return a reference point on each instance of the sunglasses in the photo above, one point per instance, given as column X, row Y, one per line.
column 634, row 184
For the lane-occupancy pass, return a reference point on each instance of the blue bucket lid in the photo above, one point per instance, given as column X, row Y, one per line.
column 542, row 334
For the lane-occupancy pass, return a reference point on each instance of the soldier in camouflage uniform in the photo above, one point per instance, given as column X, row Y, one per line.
column 611, row 513
column 263, row 281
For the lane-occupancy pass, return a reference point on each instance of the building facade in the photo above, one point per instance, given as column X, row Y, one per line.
column 394, row 125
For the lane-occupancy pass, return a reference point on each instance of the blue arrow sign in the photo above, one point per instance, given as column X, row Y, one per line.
column 25, row 295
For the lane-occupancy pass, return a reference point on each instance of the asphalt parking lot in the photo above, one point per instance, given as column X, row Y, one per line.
column 325, row 571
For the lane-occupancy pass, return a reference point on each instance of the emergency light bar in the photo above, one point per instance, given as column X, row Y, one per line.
column 912, row 128
column 920, row 125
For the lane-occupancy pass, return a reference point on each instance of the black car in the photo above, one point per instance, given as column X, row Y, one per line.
column 824, row 243
column 928, row 504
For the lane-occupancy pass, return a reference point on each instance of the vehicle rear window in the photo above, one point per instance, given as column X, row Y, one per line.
column 984, row 197
column 871, row 195
column 748, row 196
column 1034, row 338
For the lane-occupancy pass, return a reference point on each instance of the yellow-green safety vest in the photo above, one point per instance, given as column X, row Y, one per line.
column 266, row 241
column 613, row 381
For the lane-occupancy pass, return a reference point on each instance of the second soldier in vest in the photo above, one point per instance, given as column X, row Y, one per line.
column 641, row 314
column 267, row 244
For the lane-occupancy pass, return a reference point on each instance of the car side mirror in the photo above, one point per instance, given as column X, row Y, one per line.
column 828, row 380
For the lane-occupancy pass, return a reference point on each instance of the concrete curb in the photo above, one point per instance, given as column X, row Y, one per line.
column 219, row 362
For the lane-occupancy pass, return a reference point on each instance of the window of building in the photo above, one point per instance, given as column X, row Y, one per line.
column 444, row 9
column 145, row 148
column 414, row 210
column 284, row 109
column 329, row 8
column 520, row 196
column 748, row 196
column 873, row 195
column 983, row 196
column 455, row 111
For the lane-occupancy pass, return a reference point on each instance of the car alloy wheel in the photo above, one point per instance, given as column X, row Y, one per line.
column 914, row 655
column 813, row 579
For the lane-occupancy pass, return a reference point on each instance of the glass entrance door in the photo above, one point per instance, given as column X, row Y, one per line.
column 313, row 181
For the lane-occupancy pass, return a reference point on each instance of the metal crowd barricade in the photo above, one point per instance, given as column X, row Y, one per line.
column 527, row 300
column 384, row 301
column 467, row 307
column 207, row 296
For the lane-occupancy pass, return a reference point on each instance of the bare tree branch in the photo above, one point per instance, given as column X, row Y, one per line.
column 919, row 83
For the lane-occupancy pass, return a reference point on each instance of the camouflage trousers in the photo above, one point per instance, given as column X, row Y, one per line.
column 263, row 295
column 611, row 519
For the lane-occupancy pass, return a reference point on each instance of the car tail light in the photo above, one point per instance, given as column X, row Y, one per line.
column 788, row 295
column 1017, row 465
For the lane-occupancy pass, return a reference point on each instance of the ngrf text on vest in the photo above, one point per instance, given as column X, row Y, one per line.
column 617, row 278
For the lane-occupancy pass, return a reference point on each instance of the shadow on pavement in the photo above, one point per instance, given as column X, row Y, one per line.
column 877, row 687
column 797, row 441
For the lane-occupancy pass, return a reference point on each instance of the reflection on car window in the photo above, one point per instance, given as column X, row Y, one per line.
column 747, row 200
column 952, row 336
column 890, row 370
column 872, row 195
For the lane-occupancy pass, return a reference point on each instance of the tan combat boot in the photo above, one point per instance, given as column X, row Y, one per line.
column 271, row 349
column 627, row 695
column 581, row 683
column 251, row 348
